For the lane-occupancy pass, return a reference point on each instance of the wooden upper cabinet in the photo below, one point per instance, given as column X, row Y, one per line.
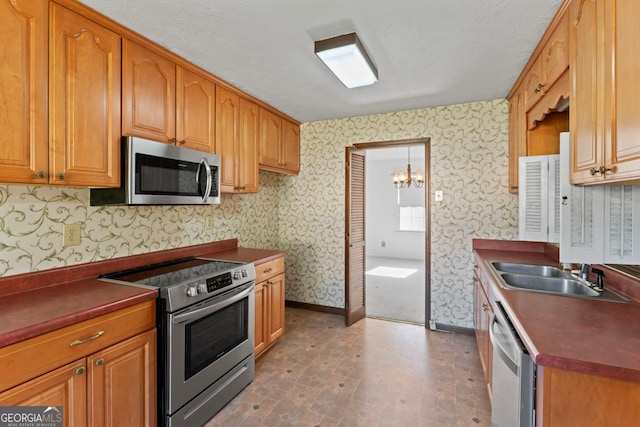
column 622, row 91
column 227, row 112
column 533, row 85
column 544, row 88
column 279, row 143
column 270, row 136
column 195, row 110
column 84, row 101
column 247, row 152
column 517, row 137
column 23, row 95
column 605, row 113
column 148, row 94
column 290, row 147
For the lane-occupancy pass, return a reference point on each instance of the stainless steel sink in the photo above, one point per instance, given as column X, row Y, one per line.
column 530, row 269
column 549, row 279
column 550, row 284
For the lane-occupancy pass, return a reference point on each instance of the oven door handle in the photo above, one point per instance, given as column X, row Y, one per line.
column 204, row 311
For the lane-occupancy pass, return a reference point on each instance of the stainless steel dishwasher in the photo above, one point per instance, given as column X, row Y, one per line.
column 513, row 375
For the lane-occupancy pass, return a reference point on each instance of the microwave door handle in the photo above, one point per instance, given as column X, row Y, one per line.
column 207, row 190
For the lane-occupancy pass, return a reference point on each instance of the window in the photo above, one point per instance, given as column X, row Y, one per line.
column 411, row 218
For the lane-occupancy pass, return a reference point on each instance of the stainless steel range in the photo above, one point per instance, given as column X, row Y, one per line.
column 206, row 334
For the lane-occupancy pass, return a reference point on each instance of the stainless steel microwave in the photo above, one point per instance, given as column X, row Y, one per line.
column 154, row 173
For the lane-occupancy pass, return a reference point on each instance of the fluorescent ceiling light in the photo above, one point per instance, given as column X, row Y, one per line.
column 346, row 58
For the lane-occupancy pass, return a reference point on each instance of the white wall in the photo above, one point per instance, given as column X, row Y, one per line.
column 381, row 199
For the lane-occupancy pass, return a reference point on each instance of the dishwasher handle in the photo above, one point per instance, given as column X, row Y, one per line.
column 498, row 345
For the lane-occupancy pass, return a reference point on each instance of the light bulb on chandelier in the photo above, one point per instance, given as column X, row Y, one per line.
column 402, row 179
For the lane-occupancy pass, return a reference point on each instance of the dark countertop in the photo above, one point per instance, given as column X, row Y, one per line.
column 31, row 313
column 576, row 334
column 35, row 303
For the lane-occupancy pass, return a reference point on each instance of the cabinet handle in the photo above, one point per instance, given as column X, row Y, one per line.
column 60, row 176
column 80, row 370
column 182, row 141
column 485, row 307
column 78, row 342
column 539, row 88
column 268, row 270
column 99, row 362
column 514, row 187
column 601, row 171
column 476, row 266
column 41, row 175
column 173, row 140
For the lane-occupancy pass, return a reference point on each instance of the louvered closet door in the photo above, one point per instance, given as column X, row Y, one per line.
column 533, row 181
column 622, row 237
column 354, row 239
column 554, row 200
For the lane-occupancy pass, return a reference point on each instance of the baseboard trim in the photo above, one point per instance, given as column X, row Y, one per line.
column 443, row 327
column 314, row 307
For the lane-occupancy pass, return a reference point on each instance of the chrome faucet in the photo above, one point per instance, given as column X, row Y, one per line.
column 584, row 271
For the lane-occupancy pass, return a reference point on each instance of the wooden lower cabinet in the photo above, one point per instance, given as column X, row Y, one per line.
column 113, row 386
column 569, row 399
column 482, row 312
column 269, row 312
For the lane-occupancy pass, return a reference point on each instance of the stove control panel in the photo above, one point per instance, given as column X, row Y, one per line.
column 219, row 282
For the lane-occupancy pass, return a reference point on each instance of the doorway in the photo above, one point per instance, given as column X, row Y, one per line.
column 387, row 263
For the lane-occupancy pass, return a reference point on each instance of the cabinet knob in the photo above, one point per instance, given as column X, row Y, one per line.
column 99, row 362
column 601, row 171
column 60, row 176
column 182, row 141
column 485, row 307
column 539, row 88
column 173, row 140
column 80, row 370
column 476, row 266
column 41, row 175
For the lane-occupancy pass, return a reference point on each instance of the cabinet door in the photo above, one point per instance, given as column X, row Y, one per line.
column 270, row 137
column 122, row 383
column 533, row 85
column 65, row 386
column 84, row 101
column 148, row 94
column 24, row 146
column 247, row 152
column 260, row 333
column 195, row 111
column 555, row 54
column 276, row 307
column 517, row 137
column 586, row 63
column 290, row 147
column 622, row 90
column 227, row 111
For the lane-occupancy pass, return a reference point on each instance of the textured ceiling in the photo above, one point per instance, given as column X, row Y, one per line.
column 428, row 52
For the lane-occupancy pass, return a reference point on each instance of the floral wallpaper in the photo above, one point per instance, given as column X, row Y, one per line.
column 303, row 215
column 469, row 164
column 32, row 218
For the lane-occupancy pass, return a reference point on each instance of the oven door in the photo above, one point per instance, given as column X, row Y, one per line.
column 205, row 341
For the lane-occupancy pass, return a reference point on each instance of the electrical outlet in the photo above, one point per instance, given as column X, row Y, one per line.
column 208, row 223
column 71, row 234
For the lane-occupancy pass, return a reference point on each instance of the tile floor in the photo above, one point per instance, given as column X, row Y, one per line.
column 395, row 298
column 374, row 373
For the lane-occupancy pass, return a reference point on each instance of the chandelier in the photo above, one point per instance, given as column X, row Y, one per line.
column 402, row 179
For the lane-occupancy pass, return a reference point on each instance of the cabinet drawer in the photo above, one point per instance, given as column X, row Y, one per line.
column 269, row 269
column 28, row 359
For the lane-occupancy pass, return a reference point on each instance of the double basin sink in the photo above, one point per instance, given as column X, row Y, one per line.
column 548, row 279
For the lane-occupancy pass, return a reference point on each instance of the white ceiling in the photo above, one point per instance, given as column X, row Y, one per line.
column 427, row 52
